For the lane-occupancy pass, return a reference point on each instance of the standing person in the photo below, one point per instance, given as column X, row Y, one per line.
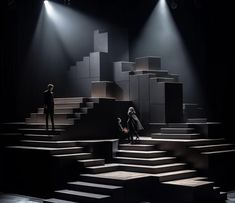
column 49, row 105
column 133, row 124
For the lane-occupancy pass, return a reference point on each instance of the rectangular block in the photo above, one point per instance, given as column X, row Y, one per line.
column 119, row 74
column 123, row 90
column 95, row 64
column 157, row 92
column 134, row 88
column 103, row 89
column 144, row 88
column 83, row 68
column 144, row 110
column 157, row 113
column 148, row 63
column 100, row 41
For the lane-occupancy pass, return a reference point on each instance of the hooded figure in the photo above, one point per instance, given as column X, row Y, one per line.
column 133, row 124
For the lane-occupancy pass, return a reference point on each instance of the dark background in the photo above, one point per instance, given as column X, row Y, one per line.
column 29, row 64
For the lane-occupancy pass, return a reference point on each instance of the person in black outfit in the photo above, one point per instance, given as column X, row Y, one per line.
column 133, row 125
column 49, row 105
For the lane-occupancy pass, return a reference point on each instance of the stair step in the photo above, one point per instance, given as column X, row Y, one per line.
column 136, row 147
column 216, row 147
column 93, row 187
column 64, row 111
column 174, row 175
column 69, row 99
column 40, row 137
column 68, row 105
column 75, row 156
column 37, row 143
column 152, row 169
column 54, row 200
column 140, row 154
column 160, row 73
column 58, row 125
column 68, row 121
column 197, row 120
column 177, row 130
column 177, row 125
column 103, row 168
column 219, row 152
column 53, row 151
column 175, row 136
column 41, row 131
column 80, row 196
column 141, row 161
column 163, row 79
column 92, row 162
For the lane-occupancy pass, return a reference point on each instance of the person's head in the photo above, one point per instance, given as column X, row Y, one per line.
column 119, row 120
column 131, row 110
column 50, row 87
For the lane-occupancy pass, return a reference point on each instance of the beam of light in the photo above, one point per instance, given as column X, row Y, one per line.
column 49, row 8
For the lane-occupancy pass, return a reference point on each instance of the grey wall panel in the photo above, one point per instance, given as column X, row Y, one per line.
column 100, row 41
column 134, row 88
column 157, row 113
column 102, row 89
column 95, row 64
column 148, row 63
column 106, row 68
column 118, row 71
column 123, row 90
column 144, row 95
column 144, row 109
column 157, row 92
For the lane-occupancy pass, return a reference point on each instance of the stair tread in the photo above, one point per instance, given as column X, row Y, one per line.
column 83, row 194
column 142, row 152
column 43, row 148
column 135, row 145
column 54, row 142
column 55, row 200
column 219, row 151
column 90, row 184
column 156, row 166
column 177, row 128
column 174, row 172
column 103, row 166
column 215, row 145
column 56, row 124
column 189, row 182
column 144, row 159
column 35, row 129
column 74, row 154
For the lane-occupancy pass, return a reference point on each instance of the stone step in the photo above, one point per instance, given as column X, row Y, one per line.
column 140, row 154
column 175, row 175
column 160, row 73
column 93, row 187
column 61, row 111
column 58, row 125
column 136, row 147
column 196, row 120
column 41, row 137
column 219, row 152
column 68, row 121
column 39, row 143
column 69, row 99
column 163, row 79
column 53, row 151
column 152, row 169
column 210, row 148
column 68, row 105
column 41, row 131
column 92, row 162
column 175, row 136
column 78, row 156
column 54, row 200
column 177, row 125
column 142, row 161
column 102, row 169
column 177, row 130
column 73, row 195
column 96, row 178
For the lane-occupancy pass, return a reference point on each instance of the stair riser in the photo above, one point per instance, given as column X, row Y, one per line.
column 107, row 181
column 210, row 149
column 75, row 198
column 93, row 163
column 62, row 111
column 177, row 177
column 43, row 120
column 145, row 162
column 66, row 151
column 140, row 155
column 41, row 132
column 174, row 136
column 176, row 131
column 177, row 125
column 153, row 170
column 61, row 106
column 103, row 170
column 36, row 144
column 66, row 100
column 91, row 189
column 77, row 157
column 137, row 148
